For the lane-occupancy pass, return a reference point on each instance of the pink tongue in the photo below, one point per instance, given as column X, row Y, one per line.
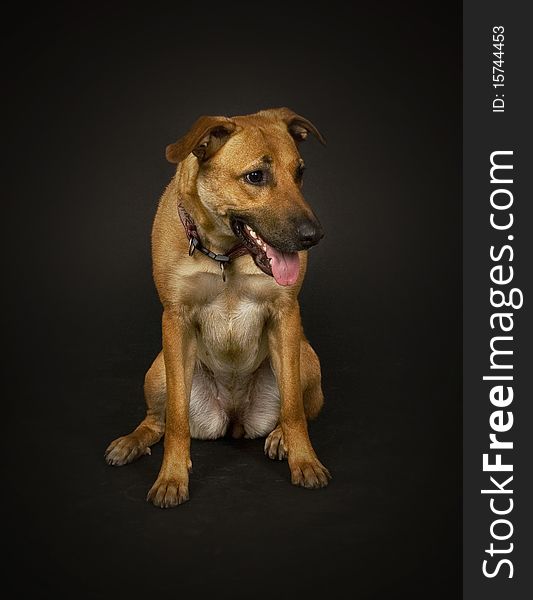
column 285, row 265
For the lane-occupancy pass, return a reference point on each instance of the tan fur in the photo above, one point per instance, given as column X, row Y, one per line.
column 234, row 359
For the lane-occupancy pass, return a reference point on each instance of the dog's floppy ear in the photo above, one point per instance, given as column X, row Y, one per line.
column 299, row 127
column 204, row 138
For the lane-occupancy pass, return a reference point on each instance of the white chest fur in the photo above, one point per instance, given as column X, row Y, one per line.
column 233, row 381
column 231, row 335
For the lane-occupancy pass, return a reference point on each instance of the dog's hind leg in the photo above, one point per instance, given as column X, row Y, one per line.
column 313, row 398
column 127, row 448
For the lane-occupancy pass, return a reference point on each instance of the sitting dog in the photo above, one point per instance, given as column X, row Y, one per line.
column 229, row 248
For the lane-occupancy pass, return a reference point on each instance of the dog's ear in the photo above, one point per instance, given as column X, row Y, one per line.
column 299, row 127
column 203, row 139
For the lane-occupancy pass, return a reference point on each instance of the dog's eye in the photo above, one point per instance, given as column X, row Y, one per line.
column 255, row 177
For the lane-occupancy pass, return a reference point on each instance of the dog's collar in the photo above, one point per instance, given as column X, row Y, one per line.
column 195, row 244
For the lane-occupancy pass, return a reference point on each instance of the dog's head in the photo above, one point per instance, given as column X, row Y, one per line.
column 248, row 175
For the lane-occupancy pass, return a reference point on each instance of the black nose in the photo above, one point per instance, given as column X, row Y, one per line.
column 309, row 233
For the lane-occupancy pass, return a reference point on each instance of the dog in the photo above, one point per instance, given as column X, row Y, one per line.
column 229, row 248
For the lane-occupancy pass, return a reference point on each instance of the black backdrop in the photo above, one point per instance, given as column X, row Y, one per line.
column 93, row 97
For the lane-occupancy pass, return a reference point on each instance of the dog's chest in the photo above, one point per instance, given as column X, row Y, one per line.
column 232, row 334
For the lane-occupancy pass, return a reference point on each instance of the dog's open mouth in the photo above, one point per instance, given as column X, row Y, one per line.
column 283, row 266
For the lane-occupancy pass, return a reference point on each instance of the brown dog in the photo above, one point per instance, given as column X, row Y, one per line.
column 229, row 253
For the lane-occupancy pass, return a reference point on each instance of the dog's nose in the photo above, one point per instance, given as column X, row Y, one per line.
column 310, row 233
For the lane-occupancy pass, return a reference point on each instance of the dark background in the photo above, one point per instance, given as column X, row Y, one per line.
column 93, row 97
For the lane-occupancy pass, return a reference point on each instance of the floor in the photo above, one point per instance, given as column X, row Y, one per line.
column 387, row 523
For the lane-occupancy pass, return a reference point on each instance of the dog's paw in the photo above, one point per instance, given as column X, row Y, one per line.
column 125, row 450
column 310, row 473
column 166, row 493
column 275, row 446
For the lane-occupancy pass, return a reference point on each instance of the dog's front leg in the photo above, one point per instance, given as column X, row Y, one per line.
column 284, row 337
column 179, row 350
